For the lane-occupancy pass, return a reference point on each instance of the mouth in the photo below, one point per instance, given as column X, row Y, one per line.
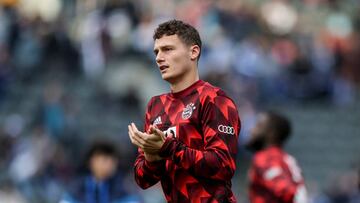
column 163, row 67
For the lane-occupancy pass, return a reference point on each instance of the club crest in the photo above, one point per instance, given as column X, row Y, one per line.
column 188, row 110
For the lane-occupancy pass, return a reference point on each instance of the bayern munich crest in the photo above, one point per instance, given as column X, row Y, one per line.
column 188, row 110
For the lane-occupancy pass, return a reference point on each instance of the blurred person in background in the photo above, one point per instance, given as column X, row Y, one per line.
column 343, row 188
column 274, row 175
column 190, row 137
column 102, row 182
column 9, row 193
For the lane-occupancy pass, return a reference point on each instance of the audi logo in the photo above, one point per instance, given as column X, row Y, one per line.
column 226, row 129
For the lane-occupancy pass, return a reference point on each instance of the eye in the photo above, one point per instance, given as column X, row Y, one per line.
column 168, row 49
column 156, row 52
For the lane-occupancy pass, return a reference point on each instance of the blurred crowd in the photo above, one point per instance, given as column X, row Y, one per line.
column 72, row 72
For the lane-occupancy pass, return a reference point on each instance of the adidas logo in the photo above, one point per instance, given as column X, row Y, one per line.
column 157, row 121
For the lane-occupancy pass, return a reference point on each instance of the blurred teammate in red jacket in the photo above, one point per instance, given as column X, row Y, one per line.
column 274, row 175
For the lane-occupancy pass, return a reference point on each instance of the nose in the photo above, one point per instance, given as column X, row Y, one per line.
column 159, row 57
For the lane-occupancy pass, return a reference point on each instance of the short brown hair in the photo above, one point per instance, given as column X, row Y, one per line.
column 187, row 33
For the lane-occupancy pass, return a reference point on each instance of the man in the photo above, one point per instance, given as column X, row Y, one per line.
column 102, row 183
column 274, row 175
column 191, row 133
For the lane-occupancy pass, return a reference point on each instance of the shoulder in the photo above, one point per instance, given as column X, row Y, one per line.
column 209, row 92
column 76, row 188
column 268, row 157
column 156, row 99
column 208, row 89
column 116, row 185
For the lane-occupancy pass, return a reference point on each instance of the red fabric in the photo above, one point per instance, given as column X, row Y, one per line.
column 274, row 177
column 200, row 161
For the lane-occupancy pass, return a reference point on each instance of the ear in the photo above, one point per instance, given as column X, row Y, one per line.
column 194, row 52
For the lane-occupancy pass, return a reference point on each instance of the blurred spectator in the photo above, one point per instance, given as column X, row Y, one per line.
column 27, row 169
column 29, row 157
column 27, row 52
column 343, row 188
column 6, row 148
column 92, row 38
column 102, row 183
column 5, row 71
column 14, row 125
column 9, row 193
column 52, row 109
column 280, row 16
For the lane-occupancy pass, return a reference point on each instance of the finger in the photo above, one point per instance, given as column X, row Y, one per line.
column 154, row 129
column 134, row 127
column 158, row 132
column 140, row 135
column 139, row 139
column 135, row 142
column 131, row 133
column 147, row 141
column 130, row 129
column 135, row 137
column 149, row 129
column 131, row 136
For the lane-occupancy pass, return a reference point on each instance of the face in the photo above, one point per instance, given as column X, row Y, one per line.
column 103, row 166
column 258, row 134
column 174, row 58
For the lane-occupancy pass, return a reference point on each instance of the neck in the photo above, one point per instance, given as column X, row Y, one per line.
column 99, row 179
column 272, row 145
column 184, row 82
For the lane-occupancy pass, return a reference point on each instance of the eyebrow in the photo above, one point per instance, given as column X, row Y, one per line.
column 164, row 46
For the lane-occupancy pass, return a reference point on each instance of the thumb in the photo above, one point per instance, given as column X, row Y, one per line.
column 155, row 130
column 171, row 135
column 152, row 129
column 149, row 131
column 158, row 132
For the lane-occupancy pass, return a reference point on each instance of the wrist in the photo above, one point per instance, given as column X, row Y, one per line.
column 154, row 164
column 152, row 157
column 168, row 147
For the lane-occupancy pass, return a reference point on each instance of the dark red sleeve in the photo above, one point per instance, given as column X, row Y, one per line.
column 147, row 173
column 277, row 179
column 217, row 160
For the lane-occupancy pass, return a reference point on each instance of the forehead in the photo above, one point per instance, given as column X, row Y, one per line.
column 167, row 40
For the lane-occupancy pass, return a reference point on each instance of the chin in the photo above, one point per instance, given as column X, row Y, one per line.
column 255, row 145
column 167, row 77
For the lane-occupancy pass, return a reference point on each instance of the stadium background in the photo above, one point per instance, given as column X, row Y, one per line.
column 72, row 72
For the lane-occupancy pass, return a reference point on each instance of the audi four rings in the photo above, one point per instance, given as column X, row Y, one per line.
column 226, row 129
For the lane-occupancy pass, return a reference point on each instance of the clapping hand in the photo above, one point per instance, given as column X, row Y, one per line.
column 150, row 142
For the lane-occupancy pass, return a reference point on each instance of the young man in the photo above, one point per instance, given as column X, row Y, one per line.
column 191, row 133
column 274, row 175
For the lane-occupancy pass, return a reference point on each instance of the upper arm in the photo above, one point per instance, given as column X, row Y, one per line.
column 220, row 120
